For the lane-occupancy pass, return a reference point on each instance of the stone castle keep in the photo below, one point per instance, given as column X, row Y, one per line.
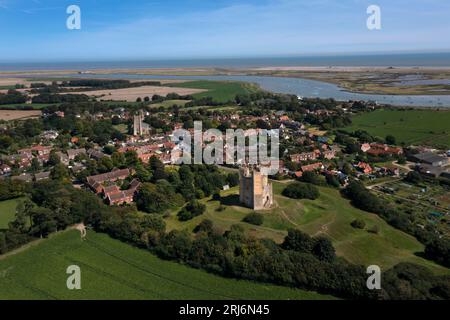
column 255, row 191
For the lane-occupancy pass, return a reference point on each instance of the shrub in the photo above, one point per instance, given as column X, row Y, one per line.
column 375, row 229
column 413, row 177
column 254, row 218
column 204, row 226
column 311, row 177
column 299, row 190
column 358, row 224
column 191, row 210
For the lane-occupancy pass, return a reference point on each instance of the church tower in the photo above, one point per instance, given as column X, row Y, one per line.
column 140, row 128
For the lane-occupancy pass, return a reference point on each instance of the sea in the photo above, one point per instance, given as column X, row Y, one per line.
column 362, row 60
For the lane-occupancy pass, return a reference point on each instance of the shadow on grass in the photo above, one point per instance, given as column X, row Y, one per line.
column 229, row 200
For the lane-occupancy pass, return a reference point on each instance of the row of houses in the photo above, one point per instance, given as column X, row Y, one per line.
column 378, row 149
column 106, row 185
column 314, row 155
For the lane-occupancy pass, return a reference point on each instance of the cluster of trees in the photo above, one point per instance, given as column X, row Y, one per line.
column 59, row 98
column 12, row 96
column 191, row 210
column 165, row 190
column 298, row 190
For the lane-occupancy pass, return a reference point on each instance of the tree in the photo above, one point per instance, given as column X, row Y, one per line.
column 254, row 218
column 35, row 165
column 131, row 158
column 390, row 139
column 59, row 172
column 53, row 159
column 298, row 190
column 358, row 224
column 298, row 241
column 142, row 173
column 157, row 168
column 150, row 199
column 332, row 181
column 19, row 224
column 191, row 210
column 413, row 177
column 233, row 179
column 5, row 142
column 105, row 164
column 118, row 159
column 204, row 226
column 439, row 250
column 323, row 249
column 43, row 222
column 311, row 177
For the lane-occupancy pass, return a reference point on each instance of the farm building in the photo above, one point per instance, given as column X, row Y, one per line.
column 431, row 158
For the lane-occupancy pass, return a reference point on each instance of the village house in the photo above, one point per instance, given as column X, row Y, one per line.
column 364, row 167
column 96, row 182
column 390, row 170
column 26, row 177
column 63, row 157
column 114, row 196
column 305, row 156
column 5, row 169
column 49, row 135
column 95, row 154
column 377, row 149
column 73, row 153
column 365, row 147
column 329, row 154
column 41, row 176
column 312, row 167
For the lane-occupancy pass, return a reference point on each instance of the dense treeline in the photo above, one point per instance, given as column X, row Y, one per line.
column 168, row 190
column 108, row 84
column 59, row 98
column 12, row 96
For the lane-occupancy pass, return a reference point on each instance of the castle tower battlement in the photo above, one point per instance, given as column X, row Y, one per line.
column 255, row 190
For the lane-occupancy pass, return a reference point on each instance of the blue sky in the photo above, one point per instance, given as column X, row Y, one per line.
column 35, row 30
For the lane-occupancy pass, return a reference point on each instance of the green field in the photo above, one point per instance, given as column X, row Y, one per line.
column 330, row 215
column 111, row 269
column 411, row 126
column 221, row 91
column 7, row 212
column 169, row 103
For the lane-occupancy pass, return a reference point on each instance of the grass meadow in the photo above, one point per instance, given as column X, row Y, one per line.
column 8, row 211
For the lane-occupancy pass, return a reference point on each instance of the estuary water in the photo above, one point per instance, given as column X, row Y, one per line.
column 302, row 88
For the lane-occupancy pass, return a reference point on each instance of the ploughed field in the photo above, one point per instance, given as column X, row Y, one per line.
column 111, row 269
